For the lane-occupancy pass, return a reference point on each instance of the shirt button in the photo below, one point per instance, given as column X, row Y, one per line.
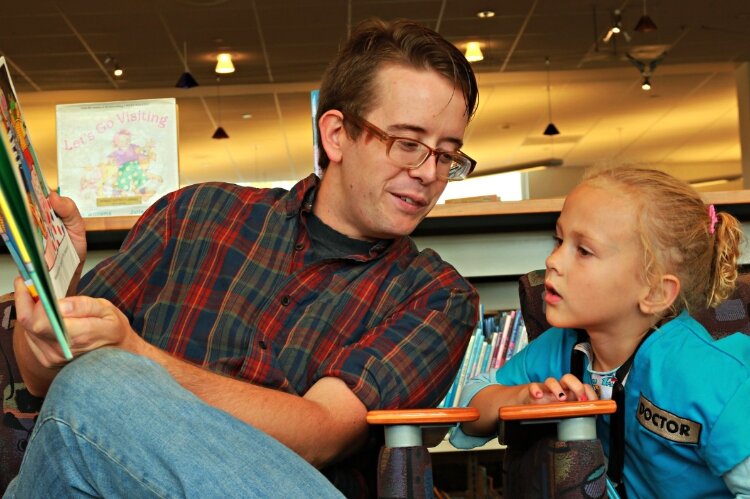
column 262, row 345
column 285, row 300
column 299, row 246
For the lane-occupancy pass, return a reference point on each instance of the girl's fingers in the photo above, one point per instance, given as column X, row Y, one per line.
column 590, row 392
column 555, row 388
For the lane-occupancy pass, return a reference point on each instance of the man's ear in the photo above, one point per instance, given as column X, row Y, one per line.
column 332, row 134
column 661, row 295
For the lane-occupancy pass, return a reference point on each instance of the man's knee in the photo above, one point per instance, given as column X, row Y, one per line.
column 105, row 370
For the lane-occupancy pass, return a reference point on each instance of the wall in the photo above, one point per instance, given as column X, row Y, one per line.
column 8, row 270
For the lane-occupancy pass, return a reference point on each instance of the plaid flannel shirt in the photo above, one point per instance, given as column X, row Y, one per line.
column 221, row 275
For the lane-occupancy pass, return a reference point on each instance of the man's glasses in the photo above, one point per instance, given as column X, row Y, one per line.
column 411, row 154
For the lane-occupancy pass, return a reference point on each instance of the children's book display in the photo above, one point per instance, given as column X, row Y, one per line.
column 36, row 238
column 495, row 340
column 117, row 158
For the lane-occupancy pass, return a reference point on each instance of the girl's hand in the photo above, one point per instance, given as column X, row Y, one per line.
column 568, row 388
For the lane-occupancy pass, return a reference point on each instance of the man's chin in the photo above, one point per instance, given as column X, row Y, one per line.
column 402, row 226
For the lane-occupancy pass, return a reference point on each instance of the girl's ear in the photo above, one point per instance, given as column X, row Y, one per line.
column 332, row 133
column 661, row 295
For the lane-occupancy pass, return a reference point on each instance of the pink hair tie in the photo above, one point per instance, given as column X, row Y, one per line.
column 713, row 217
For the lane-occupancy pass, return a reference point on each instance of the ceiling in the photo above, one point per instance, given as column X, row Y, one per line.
column 688, row 121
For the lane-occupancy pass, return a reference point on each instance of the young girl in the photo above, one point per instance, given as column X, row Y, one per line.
column 636, row 250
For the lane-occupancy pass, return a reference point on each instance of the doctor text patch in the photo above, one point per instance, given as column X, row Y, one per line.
column 666, row 424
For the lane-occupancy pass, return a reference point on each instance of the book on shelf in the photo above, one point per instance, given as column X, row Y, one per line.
column 36, row 238
column 116, row 158
column 495, row 340
column 513, row 336
column 507, row 320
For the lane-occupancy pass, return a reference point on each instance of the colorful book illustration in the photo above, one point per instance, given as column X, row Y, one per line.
column 36, row 238
column 117, row 158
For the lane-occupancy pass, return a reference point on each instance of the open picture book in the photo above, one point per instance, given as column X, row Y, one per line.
column 35, row 236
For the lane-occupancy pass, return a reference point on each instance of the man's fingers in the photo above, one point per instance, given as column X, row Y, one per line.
column 29, row 313
column 65, row 207
column 23, row 301
column 84, row 306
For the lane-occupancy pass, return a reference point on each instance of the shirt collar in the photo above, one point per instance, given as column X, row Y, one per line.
column 300, row 199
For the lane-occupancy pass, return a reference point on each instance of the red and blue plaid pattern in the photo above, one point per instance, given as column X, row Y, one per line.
column 222, row 276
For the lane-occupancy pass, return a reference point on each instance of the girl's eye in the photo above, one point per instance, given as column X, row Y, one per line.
column 557, row 241
column 583, row 251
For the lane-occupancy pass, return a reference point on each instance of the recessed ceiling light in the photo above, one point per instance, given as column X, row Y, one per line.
column 485, row 14
column 247, row 116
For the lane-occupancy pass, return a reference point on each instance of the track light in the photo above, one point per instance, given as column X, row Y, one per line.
column 646, row 68
column 473, row 52
column 616, row 28
column 224, row 63
column 485, row 14
column 117, row 71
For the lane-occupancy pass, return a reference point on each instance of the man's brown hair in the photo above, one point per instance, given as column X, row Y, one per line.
column 348, row 83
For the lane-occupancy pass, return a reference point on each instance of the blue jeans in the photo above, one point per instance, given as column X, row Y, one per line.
column 118, row 425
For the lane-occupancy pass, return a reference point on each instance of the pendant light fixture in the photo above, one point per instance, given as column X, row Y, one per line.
column 224, row 64
column 186, row 79
column 220, row 133
column 551, row 128
column 473, row 52
column 645, row 23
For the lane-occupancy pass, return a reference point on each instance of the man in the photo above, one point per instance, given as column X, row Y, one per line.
column 264, row 320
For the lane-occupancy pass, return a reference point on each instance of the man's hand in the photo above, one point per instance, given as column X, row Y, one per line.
column 91, row 323
column 568, row 388
column 68, row 212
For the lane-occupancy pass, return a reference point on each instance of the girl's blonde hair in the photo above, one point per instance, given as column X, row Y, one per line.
column 678, row 234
